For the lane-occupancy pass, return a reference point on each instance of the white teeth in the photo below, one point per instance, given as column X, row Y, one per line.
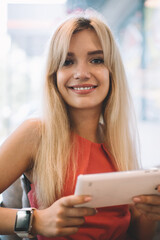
column 82, row 88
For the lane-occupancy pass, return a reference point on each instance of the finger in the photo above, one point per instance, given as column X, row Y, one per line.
column 148, row 208
column 80, row 212
column 73, row 200
column 66, row 231
column 148, row 199
column 69, row 222
column 150, row 216
column 74, row 222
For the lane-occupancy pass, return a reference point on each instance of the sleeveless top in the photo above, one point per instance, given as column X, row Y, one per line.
column 110, row 223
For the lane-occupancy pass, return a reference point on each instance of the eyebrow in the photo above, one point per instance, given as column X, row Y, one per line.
column 95, row 52
column 70, row 54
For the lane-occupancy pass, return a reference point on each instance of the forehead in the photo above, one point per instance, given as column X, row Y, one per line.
column 85, row 39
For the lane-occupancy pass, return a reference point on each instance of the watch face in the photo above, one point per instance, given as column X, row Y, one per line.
column 22, row 220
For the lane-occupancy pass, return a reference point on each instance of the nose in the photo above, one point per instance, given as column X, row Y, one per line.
column 82, row 72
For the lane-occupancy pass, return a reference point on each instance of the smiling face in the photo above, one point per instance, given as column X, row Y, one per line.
column 83, row 80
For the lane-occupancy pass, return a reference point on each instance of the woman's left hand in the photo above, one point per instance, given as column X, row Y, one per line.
column 148, row 205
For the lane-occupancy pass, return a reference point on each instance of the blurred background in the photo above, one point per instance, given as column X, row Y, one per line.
column 25, row 27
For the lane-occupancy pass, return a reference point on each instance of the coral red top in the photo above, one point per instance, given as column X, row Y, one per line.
column 110, row 223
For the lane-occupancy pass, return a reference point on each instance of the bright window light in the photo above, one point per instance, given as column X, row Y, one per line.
column 36, row 1
column 152, row 3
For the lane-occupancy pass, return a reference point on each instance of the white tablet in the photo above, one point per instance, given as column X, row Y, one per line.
column 117, row 188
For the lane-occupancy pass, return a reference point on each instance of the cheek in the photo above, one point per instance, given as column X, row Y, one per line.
column 60, row 80
column 105, row 83
column 105, row 78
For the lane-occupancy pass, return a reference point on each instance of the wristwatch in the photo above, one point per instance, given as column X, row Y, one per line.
column 23, row 223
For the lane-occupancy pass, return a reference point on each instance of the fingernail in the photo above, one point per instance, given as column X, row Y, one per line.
column 136, row 199
column 87, row 199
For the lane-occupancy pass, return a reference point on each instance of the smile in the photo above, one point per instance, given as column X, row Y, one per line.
column 79, row 89
column 82, row 88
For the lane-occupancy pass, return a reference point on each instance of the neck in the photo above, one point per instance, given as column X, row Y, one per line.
column 86, row 124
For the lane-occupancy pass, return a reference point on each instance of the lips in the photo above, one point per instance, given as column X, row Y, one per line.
column 83, row 89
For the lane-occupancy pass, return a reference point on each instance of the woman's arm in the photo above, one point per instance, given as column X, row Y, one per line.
column 16, row 157
column 60, row 219
column 7, row 220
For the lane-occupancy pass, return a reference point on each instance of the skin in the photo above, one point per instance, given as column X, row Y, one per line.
column 18, row 152
column 61, row 218
column 83, row 81
column 84, row 68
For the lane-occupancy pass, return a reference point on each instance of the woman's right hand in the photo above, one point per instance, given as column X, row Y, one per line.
column 62, row 218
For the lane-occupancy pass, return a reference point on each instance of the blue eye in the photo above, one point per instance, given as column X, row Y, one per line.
column 68, row 62
column 97, row 60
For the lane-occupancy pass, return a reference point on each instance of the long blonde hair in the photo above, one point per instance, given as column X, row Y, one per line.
column 54, row 153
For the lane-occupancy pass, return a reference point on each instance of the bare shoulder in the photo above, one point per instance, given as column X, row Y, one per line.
column 17, row 153
column 31, row 125
column 32, row 129
column 28, row 134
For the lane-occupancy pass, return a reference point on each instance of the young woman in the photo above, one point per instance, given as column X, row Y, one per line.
column 87, row 127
